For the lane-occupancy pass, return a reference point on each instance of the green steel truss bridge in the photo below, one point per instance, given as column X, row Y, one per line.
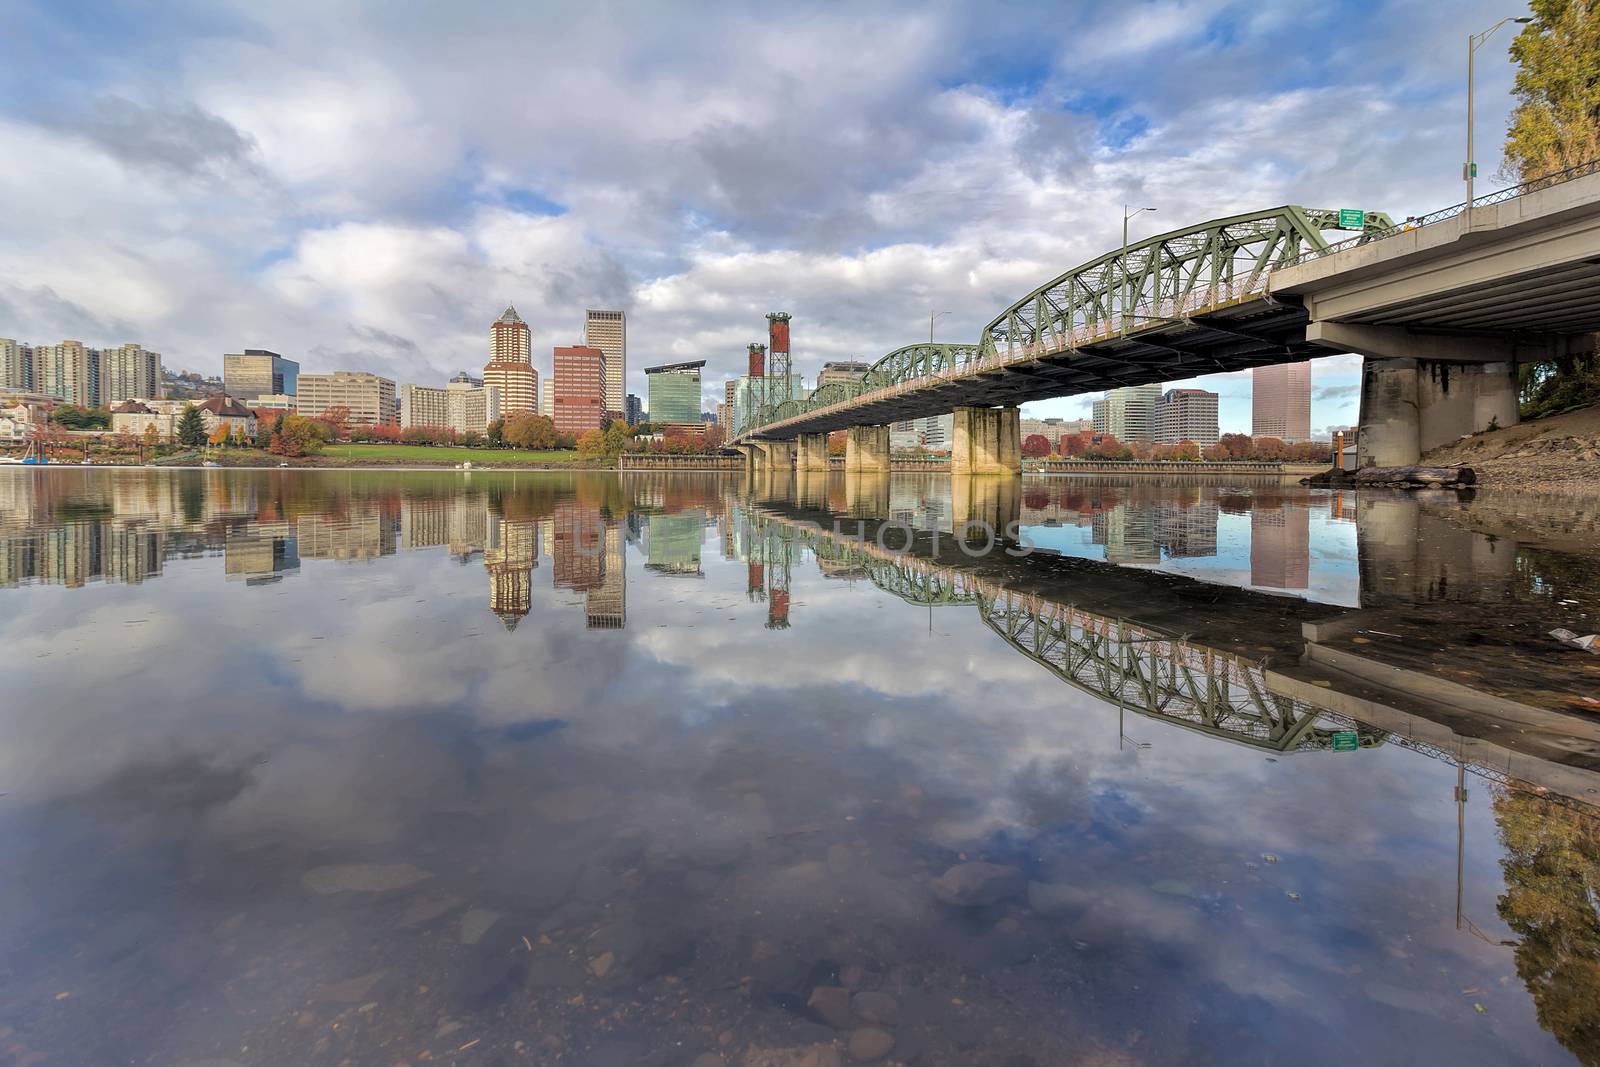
column 1188, row 302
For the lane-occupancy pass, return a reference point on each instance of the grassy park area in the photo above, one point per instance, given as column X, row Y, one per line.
column 435, row 456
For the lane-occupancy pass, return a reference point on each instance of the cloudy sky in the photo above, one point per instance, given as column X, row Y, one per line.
column 366, row 185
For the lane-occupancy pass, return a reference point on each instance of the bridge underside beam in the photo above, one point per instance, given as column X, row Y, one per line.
column 1236, row 337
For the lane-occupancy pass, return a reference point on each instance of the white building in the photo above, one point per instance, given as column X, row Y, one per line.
column 461, row 405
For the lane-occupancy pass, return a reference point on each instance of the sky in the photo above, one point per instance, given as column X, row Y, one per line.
column 367, row 185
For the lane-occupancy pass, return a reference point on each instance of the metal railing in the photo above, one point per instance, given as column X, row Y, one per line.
column 1416, row 222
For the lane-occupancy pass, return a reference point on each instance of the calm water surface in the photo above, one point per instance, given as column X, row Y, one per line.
column 322, row 767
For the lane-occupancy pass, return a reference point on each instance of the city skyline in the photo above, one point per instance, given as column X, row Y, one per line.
column 380, row 235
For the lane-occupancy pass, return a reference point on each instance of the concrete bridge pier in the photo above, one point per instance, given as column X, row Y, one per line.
column 980, row 506
column 777, row 457
column 867, row 450
column 987, row 441
column 813, row 452
column 811, row 488
column 1420, row 391
column 750, row 458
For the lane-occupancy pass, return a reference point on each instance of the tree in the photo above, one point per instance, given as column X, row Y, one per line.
column 496, row 433
column 532, row 432
column 296, row 435
column 838, row 442
column 191, row 427
column 616, row 436
column 1185, row 451
column 712, row 439
column 1556, row 123
column 152, row 440
column 1036, row 445
column 337, row 420
column 593, row 442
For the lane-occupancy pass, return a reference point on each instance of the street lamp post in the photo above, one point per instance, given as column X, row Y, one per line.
column 1126, row 282
column 1476, row 41
column 931, row 316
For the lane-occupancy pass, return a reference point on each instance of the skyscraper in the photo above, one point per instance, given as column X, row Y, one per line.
column 1130, row 413
column 1186, row 415
column 675, row 392
column 579, row 375
column 1280, row 401
column 608, row 331
column 255, row 372
column 510, row 367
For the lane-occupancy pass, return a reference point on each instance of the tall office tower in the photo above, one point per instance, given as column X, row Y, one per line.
column 510, row 368
column 128, row 371
column 510, row 339
column 632, row 409
column 368, row 397
column 1097, row 412
column 674, row 392
column 16, row 365
column 579, row 374
column 67, row 372
column 608, row 331
column 1186, row 415
column 255, row 372
column 1280, row 401
column 1130, row 413
column 729, row 389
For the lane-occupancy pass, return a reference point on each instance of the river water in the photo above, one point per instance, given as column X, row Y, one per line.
column 333, row 767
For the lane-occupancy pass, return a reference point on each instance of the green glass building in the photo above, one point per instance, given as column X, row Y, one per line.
column 674, row 392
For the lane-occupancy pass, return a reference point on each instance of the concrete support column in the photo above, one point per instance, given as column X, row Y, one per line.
column 813, row 454
column 867, row 450
column 987, row 441
column 1389, row 434
column 750, row 458
column 777, row 457
column 1498, row 401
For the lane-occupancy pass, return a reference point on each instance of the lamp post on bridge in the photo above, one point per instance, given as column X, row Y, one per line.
column 931, row 316
column 1126, row 215
column 1476, row 41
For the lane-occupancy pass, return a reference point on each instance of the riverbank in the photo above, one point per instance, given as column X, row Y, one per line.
column 1559, row 454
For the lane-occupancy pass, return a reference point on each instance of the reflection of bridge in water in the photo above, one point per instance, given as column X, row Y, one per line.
column 1231, row 667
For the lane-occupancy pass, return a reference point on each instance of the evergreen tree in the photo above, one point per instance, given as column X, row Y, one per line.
column 191, row 427
column 1556, row 123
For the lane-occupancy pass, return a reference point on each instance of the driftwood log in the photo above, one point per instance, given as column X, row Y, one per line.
column 1405, row 477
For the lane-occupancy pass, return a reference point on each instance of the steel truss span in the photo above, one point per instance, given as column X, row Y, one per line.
column 1189, row 302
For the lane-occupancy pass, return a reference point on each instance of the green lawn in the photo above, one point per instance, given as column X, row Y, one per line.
column 429, row 455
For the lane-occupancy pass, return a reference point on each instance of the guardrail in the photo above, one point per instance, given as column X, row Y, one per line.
column 1500, row 196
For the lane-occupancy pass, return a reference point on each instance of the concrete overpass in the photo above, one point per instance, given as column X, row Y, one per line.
column 1457, row 298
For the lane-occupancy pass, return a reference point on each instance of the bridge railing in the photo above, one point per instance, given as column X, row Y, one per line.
column 1416, row 222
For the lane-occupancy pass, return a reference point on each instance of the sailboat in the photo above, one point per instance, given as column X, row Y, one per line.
column 34, row 455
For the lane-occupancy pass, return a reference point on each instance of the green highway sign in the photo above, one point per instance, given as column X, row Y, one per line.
column 1351, row 218
column 1346, row 741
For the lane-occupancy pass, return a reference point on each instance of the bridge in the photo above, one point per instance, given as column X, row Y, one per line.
column 1442, row 307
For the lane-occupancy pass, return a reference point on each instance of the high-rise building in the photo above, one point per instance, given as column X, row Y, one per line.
column 1097, row 419
column 1130, row 413
column 257, row 372
column 1280, row 546
column 729, row 388
column 463, row 405
column 1280, row 401
column 368, row 397
column 608, row 331
column 510, row 368
column 546, row 391
column 842, row 371
column 510, row 339
column 579, row 376
column 77, row 374
column 1186, row 415
column 632, row 410
column 674, row 392
column 16, row 365
column 606, row 606
column 510, row 554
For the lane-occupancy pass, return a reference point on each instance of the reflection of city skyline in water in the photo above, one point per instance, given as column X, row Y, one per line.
column 1193, row 682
